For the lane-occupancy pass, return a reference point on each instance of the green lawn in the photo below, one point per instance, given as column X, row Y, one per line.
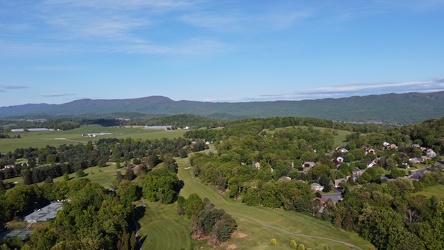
column 162, row 228
column 251, row 233
column 436, row 190
column 57, row 138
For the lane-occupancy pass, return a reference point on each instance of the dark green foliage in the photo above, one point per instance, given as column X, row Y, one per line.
column 160, row 185
column 193, row 205
column 213, row 222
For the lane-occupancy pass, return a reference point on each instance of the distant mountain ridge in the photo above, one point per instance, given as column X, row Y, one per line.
column 405, row 108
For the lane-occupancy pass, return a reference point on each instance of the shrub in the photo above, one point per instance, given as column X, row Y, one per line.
column 273, row 242
column 293, row 244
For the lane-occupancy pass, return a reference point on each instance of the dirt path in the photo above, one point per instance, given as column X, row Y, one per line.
column 311, row 236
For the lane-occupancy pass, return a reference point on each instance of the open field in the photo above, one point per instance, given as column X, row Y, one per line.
column 255, row 224
column 56, row 138
column 436, row 190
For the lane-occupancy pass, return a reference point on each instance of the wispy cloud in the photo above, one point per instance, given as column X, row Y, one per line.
column 7, row 86
column 357, row 89
column 56, row 95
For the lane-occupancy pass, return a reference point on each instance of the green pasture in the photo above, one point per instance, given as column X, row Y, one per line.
column 56, row 138
column 255, row 224
column 436, row 190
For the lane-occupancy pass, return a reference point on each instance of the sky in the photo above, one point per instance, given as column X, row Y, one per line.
column 57, row 51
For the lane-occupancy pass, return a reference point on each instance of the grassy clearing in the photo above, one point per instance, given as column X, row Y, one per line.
column 251, row 233
column 57, row 138
column 436, row 190
column 162, row 228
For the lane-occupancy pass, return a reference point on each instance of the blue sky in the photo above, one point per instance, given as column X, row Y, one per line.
column 56, row 51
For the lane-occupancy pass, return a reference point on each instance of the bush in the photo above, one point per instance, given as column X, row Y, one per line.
column 293, row 244
column 273, row 242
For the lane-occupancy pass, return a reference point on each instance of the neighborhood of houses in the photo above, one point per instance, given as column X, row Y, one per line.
column 335, row 194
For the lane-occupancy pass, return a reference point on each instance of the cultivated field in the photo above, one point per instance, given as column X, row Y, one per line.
column 57, row 138
column 257, row 225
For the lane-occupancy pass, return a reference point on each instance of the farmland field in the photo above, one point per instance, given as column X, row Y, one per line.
column 56, row 138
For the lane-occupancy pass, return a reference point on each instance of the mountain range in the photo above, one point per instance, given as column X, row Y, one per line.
column 407, row 108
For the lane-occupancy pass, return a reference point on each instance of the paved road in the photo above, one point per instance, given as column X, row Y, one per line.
column 311, row 236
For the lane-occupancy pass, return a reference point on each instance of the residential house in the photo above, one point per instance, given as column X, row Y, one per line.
column 430, row 153
column 338, row 182
column 316, row 187
column 416, row 160
column 357, row 172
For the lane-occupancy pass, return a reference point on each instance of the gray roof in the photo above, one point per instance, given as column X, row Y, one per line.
column 44, row 214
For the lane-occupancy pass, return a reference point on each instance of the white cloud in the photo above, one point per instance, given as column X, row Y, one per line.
column 357, row 89
column 56, row 95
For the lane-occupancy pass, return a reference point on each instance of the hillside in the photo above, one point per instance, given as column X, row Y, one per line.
column 406, row 108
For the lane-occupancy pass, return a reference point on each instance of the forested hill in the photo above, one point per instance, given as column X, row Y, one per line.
column 406, row 108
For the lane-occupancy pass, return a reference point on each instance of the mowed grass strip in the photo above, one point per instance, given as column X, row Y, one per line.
column 162, row 228
column 57, row 138
column 251, row 220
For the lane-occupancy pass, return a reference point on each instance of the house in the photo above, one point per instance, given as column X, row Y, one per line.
column 416, row 160
column 338, row 161
column 415, row 145
column 369, row 150
column 17, row 130
column 333, row 197
column 308, row 164
column 343, row 150
column 285, row 178
column 316, row 187
column 418, row 174
column 338, row 182
column 385, row 144
column 371, row 164
column 357, row 172
column 430, row 153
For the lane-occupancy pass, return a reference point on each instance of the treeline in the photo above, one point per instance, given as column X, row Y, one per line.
column 51, row 162
column 119, row 119
column 257, row 125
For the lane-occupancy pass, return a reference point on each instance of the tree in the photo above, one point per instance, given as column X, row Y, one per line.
column 193, row 205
